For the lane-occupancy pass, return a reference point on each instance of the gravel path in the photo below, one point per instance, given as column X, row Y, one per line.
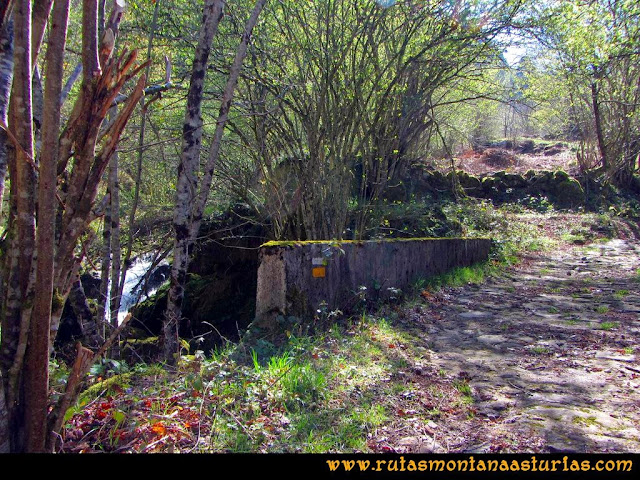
column 550, row 351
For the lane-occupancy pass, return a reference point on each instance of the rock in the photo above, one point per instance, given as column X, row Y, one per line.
column 91, row 285
column 469, row 182
column 511, row 180
column 487, row 183
column 491, row 339
column 159, row 276
column 561, row 176
column 420, row 444
column 568, row 193
column 474, row 314
column 527, row 146
column 431, row 446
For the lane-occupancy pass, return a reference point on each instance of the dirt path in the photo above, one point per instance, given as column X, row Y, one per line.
column 550, row 353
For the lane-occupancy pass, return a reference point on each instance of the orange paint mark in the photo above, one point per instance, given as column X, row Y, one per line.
column 318, row 272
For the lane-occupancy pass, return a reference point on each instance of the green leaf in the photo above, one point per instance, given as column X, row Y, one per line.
column 119, row 416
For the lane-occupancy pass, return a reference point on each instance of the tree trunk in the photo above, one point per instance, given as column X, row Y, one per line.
column 223, row 115
column 40, row 17
column 6, row 79
column 187, row 183
column 36, row 369
column 33, row 293
column 188, row 214
column 5, row 432
column 598, row 123
column 86, row 318
column 114, row 305
column 17, row 297
column 105, row 268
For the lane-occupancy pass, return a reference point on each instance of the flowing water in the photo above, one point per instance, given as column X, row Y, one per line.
column 133, row 284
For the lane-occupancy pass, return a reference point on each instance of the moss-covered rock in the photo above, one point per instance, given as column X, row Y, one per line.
column 221, row 286
column 488, row 185
column 214, row 308
column 542, row 179
column 133, row 349
column 515, row 181
column 469, row 182
column 568, row 193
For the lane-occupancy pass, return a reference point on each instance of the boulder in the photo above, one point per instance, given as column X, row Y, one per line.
column 568, row 194
column 469, row 182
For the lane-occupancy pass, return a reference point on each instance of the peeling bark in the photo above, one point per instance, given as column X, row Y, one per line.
column 33, row 292
column 114, row 303
column 84, row 359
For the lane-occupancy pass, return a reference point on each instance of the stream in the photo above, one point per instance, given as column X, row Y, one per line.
column 132, row 294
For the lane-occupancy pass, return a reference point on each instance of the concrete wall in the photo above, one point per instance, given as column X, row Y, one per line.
column 295, row 278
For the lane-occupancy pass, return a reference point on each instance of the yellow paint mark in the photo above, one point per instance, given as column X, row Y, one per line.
column 318, row 272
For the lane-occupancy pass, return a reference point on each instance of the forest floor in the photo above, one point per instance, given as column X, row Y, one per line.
column 548, row 352
column 541, row 155
column 539, row 356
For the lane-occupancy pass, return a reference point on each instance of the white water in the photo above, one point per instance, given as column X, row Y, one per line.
column 135, row 273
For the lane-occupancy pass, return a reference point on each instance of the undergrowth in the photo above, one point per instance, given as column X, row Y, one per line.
column 316, row 395
column 344, row 389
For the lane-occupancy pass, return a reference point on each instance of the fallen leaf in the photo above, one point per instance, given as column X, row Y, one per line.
column 159, row 429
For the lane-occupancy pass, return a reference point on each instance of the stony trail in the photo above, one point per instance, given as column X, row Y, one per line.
column 550, row 352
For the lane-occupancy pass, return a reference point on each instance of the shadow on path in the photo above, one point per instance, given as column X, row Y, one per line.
column 550, row 350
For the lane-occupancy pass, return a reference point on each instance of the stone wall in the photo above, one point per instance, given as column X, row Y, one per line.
column 296, row 279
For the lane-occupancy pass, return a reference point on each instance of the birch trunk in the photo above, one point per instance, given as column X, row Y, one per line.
column 114, row 305
column 105, row 268
column 17, row 301
column 223, row 115
column 188, row 214
column 187, row 183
